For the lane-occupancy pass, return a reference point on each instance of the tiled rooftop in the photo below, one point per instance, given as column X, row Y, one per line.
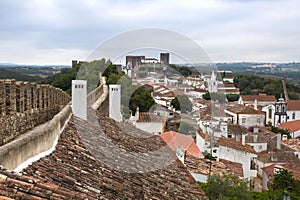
column 293, row 105
column 292, row 126
column 241, row 109
column 259, row 98
column 201, row 166
column 174, row 139
column 72, row 172
column 149, row 117
column 294, row 168
column 278, row 157
column 231, row 143
column 292, row 143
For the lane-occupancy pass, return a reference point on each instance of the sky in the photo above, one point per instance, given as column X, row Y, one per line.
column 54, row 32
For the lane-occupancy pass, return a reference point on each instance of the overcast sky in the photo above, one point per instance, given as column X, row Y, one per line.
column 57, row 31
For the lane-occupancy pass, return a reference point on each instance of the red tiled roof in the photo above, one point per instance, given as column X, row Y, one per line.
column 278, row 157
column 292, row 126
column 149, row 117
column 292, row 143
column 260, row 97
column 293, row 105
column 231, row 143
column 72, row 172
column 294, row 168
column 174, row 139
column 223, row 167
column 241, row 109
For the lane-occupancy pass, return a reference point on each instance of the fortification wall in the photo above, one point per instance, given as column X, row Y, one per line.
column 25, row 105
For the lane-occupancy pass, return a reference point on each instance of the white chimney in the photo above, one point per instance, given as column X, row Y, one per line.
column 115, row 102
column 137, row 113
column 278, row 142
column 243, row 139
column 255, row 104
column 79, row 98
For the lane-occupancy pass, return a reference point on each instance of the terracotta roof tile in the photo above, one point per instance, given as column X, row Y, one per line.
column 259, row 98
column 292, row 126
column 149, row 117
column 241, row 109
column 72, row 172
column 231, row 143
column 174, row 139
column 292, row 143
column 222, row 167
column 293, row 105
column 278, row 157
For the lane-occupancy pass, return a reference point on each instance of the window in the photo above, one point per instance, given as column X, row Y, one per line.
column 243, row 120
column 270, row 113
column 258, row 120
column 294, row 115
column 75, row 86
column 259, row 147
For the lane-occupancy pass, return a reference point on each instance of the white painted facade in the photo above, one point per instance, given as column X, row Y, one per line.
column 247, row 120
column 150, row 127
column 293, row 115
column 199, row 177
column 115, row 102
column 241, row 157
column 79, row 98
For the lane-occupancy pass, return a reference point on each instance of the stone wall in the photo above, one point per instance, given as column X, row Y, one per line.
column 24, row 105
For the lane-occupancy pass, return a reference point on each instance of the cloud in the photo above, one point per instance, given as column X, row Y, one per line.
column 229, row 30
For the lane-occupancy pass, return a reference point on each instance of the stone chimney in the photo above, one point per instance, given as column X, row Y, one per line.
column 278, row 142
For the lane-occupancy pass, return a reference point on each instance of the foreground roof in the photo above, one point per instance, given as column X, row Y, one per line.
column 72, row 172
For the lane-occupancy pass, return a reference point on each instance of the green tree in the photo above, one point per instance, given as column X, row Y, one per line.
column 232, row 97
column 182, row 103
column 226, row 187
column 284, row 181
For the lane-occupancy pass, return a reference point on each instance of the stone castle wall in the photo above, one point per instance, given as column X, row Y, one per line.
column 24, row 105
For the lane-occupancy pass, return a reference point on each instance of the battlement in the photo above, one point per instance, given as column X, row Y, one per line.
column 24, row 105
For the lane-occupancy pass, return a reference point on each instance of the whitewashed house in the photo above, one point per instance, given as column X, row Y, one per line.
column 242, row 153
column 293, row 110
column 261, row 99
column 246, row 116
column 148, row 122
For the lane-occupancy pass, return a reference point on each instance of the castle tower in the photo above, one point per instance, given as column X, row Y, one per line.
column 164, row 58
column 115, row 102
column 79, row 98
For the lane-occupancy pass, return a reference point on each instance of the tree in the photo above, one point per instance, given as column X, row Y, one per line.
column 226, row 187
column 284, row 181
column 182, row 103
column 232, row 97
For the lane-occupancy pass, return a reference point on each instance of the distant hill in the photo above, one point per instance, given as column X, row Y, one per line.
column 8, row 74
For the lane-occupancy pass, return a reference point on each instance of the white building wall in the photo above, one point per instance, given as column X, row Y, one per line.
column 258, row 147
column 240, row 157
column 79, row 98
column 115, row 102
column 200, row 142
column 150, row 127
column 252, row 120
column 199, row 177
column 290, row 115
